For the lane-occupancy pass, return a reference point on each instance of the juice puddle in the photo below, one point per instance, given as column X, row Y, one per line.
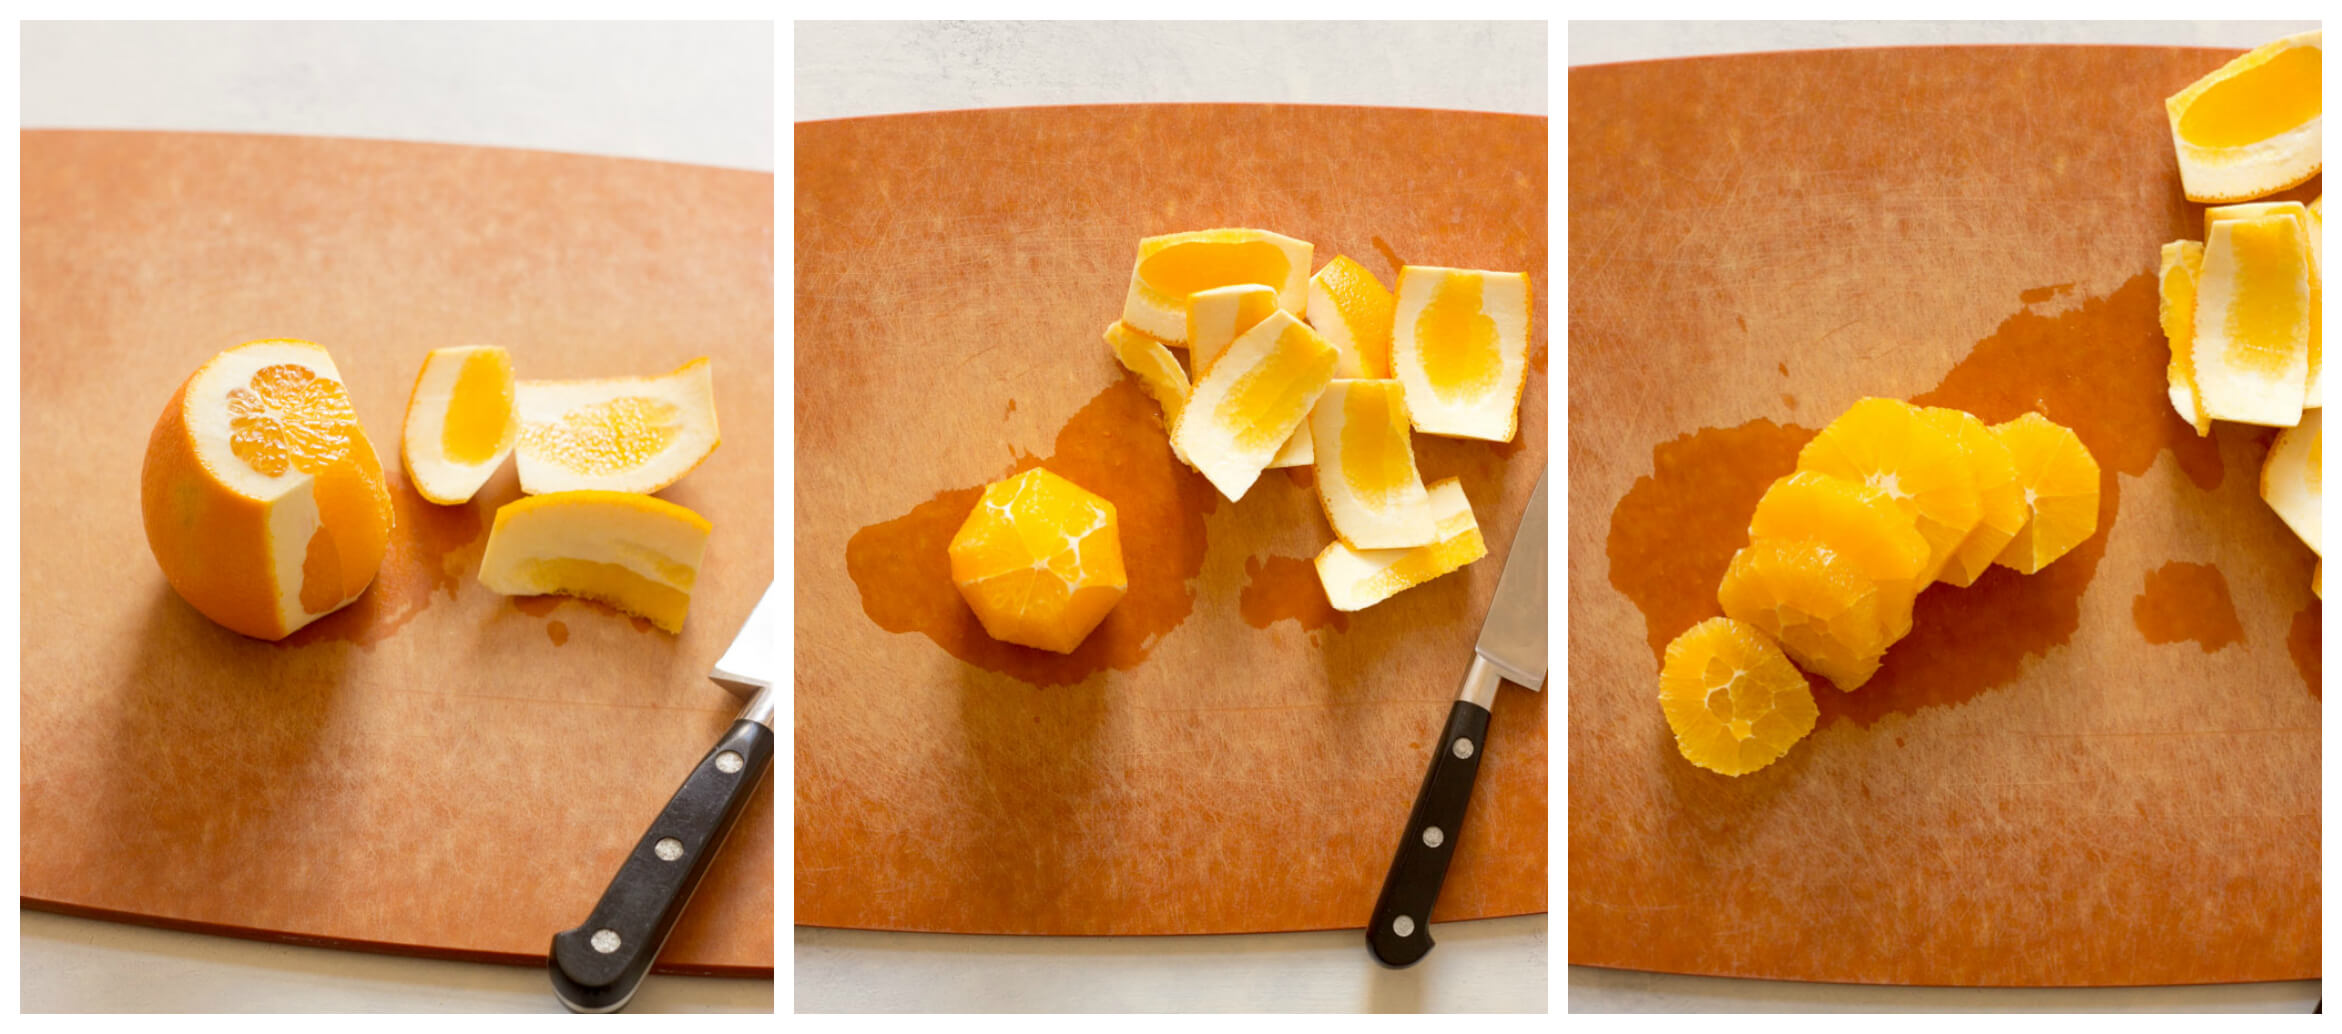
column 1281, row 588
column 544, row 606
column 2308, row 655
column 558, row 632
column 432, row 549
column 2184, row 602
column 1114, row 446
column 2097, row 367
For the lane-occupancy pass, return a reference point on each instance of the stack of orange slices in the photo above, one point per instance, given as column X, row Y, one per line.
column 1888, row 499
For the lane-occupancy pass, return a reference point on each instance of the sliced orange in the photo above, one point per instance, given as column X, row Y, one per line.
column 1731, row 696
column 2293, row 477
column 1856, row 521
column 618, row 434
column 1354, row 312
column 2307, row 222
column 2059, row 478
column 1819, row 604
column 1040, row 561
column 1357, row 579
column 1460, row 343
column 460, row 422
column 1366, row 476
column 2251, row 349
column 1173, row 267
column 2000, row 503
column 264, row 501
column 1245, row 408
column 634, row 552
column 2183, row 270
column 1890, row 445
column 2251, row 127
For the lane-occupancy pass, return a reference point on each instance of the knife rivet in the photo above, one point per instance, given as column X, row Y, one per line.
column 1403, row 926
column 728, row 762
column 606, row 941
column 668, row 849
column 1463, row 747
column 1432, row 837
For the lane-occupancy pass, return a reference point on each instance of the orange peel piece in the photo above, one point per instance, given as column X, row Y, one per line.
column 1173, row 267
column 2252, row 126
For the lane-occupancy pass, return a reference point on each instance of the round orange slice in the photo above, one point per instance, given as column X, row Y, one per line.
column 1816, row 602
column 265, row 504
column 1040, row 561
column 2000, row 503
column 1731, row 696
column 1890, row 445
column 2059, row 479
column 1856, row 521
column 2252, row 126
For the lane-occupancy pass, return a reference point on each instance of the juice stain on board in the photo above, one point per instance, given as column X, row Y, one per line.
column 2182, row 602
column 1281, row 588
column 1114, row 446
column 2303, row 641
column 432, row 549
column 2097, row 368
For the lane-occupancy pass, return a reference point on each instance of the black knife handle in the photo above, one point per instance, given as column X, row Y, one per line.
column 1399, row 933
column 597, row 966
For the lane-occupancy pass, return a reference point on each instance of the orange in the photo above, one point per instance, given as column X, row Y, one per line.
column 1890, row 445
column 1735, row 702
column 2000, row 503
column 2252, row 126
column 1172, row 268
column 1858, row 522
column 1039, row 560
column 1460, row 344
column 264, row 502
column 460, row 423
column 1818, row 603
column 2059, row 479
column 634, row 552
column 616, row 434
column 1354, row 312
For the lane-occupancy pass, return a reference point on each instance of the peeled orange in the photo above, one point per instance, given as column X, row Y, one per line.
column 264, row 501
column 634, row 552
column 2059, row 479
column 2000, row 502
column 1855, row 521
column 1818, row 603
column 1039, row 560
column 1732, row 698
column 619, row 434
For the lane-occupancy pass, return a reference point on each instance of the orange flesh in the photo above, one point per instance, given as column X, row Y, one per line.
column 287, row 418
column 1457, row 341
column 1377, row 454
column 321, row 576
column 2267, row 294
column 607, row 437
column 1183, row 269
column 2268, row 100
column 479, row 411
column 1272, row 399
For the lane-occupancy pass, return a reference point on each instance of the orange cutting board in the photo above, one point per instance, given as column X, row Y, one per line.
column 1224, row 753
column 2102, row 774
column 435, row 769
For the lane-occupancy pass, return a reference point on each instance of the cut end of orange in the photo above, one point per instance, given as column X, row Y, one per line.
column 634, row 552
column 1460, row 343
column 1366, row 476
column 460, row 422
column 1040, row 561
column 2059, row 479
column 1354, row 312
column 264, row 501
column 1251, row 401
column 1732, row 698
column 1357, row 579
column 1174, row 267
column 2252, row 126
column 617, row 434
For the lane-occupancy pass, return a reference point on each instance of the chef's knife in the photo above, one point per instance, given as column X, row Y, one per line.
column 1511, row 649
column 597, row 966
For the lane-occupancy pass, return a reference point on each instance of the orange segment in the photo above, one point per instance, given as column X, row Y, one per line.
column 2000, row 503
column 1173, row 267
column 1816, row 602
column 1889, row 445
column 2183, row 269
column 1856, row 521
column 264, row 503
column 1039, row 560
column 2059, row 479
column 1732, row 698
column 1354, row 312
column 2251, row 127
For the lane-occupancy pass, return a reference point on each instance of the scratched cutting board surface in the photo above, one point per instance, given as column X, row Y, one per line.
column 1224, row 753
column 2103, row 774
column 435, row 769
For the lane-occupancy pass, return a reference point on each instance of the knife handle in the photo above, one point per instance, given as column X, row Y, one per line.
column 597, row 966
column 1399, row 932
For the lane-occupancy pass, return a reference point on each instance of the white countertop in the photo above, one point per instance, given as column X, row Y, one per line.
column 855, row 69
column 699, row 93
column 1607, row 990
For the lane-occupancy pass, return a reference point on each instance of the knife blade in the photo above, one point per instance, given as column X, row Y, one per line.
column 1511, row 648
column 599, row 964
